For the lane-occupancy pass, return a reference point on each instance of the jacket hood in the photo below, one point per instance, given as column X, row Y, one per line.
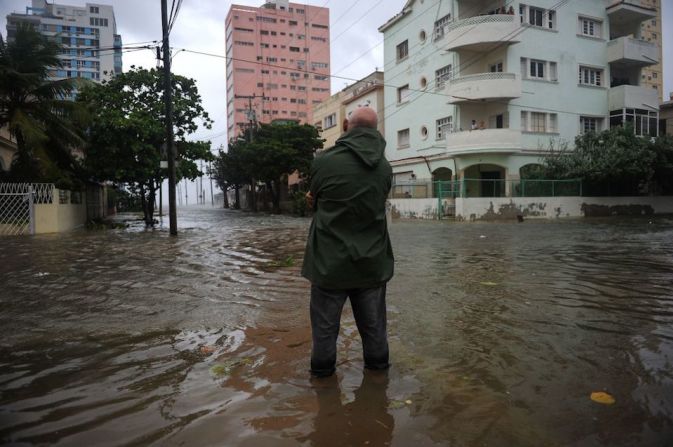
column 367, row 144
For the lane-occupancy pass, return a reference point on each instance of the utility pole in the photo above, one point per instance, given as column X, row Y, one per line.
column 168, row 100
column 252, row 123
column 212, row 197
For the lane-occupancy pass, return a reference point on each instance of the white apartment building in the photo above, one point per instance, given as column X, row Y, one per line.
column 92, row 47
column 480, row 89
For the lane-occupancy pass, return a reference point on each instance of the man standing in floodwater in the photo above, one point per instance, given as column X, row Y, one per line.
column 348, row 252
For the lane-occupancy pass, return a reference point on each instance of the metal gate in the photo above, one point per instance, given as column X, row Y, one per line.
column 17, row 206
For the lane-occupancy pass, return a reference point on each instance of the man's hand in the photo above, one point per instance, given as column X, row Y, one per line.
column 309, row 199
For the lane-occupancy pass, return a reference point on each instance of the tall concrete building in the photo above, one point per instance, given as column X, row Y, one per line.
column 480, row 89
column 650, row 31
column 91, row 45
column 278, row 63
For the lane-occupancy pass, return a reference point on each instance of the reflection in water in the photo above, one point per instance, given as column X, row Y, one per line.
column 364, row 421
column 498, row 335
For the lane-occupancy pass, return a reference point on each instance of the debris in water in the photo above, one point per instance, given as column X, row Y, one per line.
column 602, row 398
column 207, row 349
column 41, row 274
column 488, row 283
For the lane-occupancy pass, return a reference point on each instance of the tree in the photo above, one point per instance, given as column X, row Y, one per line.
column 278, row 150
column 126, row 135
column 36, row 109
column 662, row 178
column 229, row 172
column 614, row 161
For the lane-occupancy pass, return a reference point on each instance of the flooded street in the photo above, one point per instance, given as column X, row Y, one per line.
column 499, row 333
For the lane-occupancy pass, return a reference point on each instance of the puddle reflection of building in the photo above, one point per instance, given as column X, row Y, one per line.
column 364, row 421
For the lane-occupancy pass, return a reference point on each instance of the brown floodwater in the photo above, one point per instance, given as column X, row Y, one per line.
column 499, row 333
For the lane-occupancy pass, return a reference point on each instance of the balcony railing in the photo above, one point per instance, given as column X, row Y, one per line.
column 480, row 33
column 484, row 87
column 628, row 51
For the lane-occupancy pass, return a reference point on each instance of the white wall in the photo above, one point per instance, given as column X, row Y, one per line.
column 559, row 207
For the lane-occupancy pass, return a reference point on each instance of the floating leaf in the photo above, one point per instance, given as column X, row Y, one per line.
column 288, row 261
column 396, row 404
column 602, row 398
column 220, row 370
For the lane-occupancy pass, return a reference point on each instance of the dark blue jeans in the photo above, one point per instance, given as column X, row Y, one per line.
column 369, row 310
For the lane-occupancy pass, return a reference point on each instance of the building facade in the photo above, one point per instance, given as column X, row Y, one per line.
column 477, row 89
column 650, row 31
column 666, row 116
column 278, row 63
column 329, row 115
column 91, row 46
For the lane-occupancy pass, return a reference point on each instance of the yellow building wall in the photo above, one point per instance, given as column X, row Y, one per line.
column 57, row 218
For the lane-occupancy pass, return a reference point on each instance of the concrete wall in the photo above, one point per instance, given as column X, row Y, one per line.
column 57, row 218
column 418, row 208
column 557, row 207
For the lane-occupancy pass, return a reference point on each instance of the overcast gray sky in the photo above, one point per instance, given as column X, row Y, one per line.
column 200, row 27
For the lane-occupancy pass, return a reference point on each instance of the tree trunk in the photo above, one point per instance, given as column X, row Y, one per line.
column 143, row 203
column 152, row 197
column 272, row 187
column 225, row 198
column 253, row 196
column 237, row 197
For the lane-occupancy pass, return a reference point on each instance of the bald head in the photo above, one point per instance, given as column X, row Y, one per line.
column 363, row 117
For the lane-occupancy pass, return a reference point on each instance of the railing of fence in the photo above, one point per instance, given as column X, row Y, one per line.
column 472, row 188
column 42, row 192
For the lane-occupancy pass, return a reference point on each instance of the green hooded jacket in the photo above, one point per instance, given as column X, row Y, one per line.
column 348, row 245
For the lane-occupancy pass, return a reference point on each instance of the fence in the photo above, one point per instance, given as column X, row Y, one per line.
column 17, row 206
column 471, row 188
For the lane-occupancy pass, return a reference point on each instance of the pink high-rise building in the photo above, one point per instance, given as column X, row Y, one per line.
column 278, row 63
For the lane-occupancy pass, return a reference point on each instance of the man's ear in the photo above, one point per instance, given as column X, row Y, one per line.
column 345, row 125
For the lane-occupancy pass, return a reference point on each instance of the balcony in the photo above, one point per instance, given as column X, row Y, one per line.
column 484, row 87
column 626, row 16
column 484, row 141
column 633, row 97
column 627, row 52
column 482, row 33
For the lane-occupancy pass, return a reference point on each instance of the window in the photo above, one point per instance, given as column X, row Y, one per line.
column 644, row 122
column 315, row 25
column 294, row 49
column 94, row 9
column 590, row 124
column 442, row 75
column 590, row 27
column 403, row 94
column 244, row 43
column 439, row 26
column 402, row 50
column 244, row 30
column 539, row 122
column 496, row 68
column 403, row 138
column 95, row 21
column 315, row 65
column 537, row 69
column 329, row 121
column 591, row 76
column 542, row 18
column 444, row 126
